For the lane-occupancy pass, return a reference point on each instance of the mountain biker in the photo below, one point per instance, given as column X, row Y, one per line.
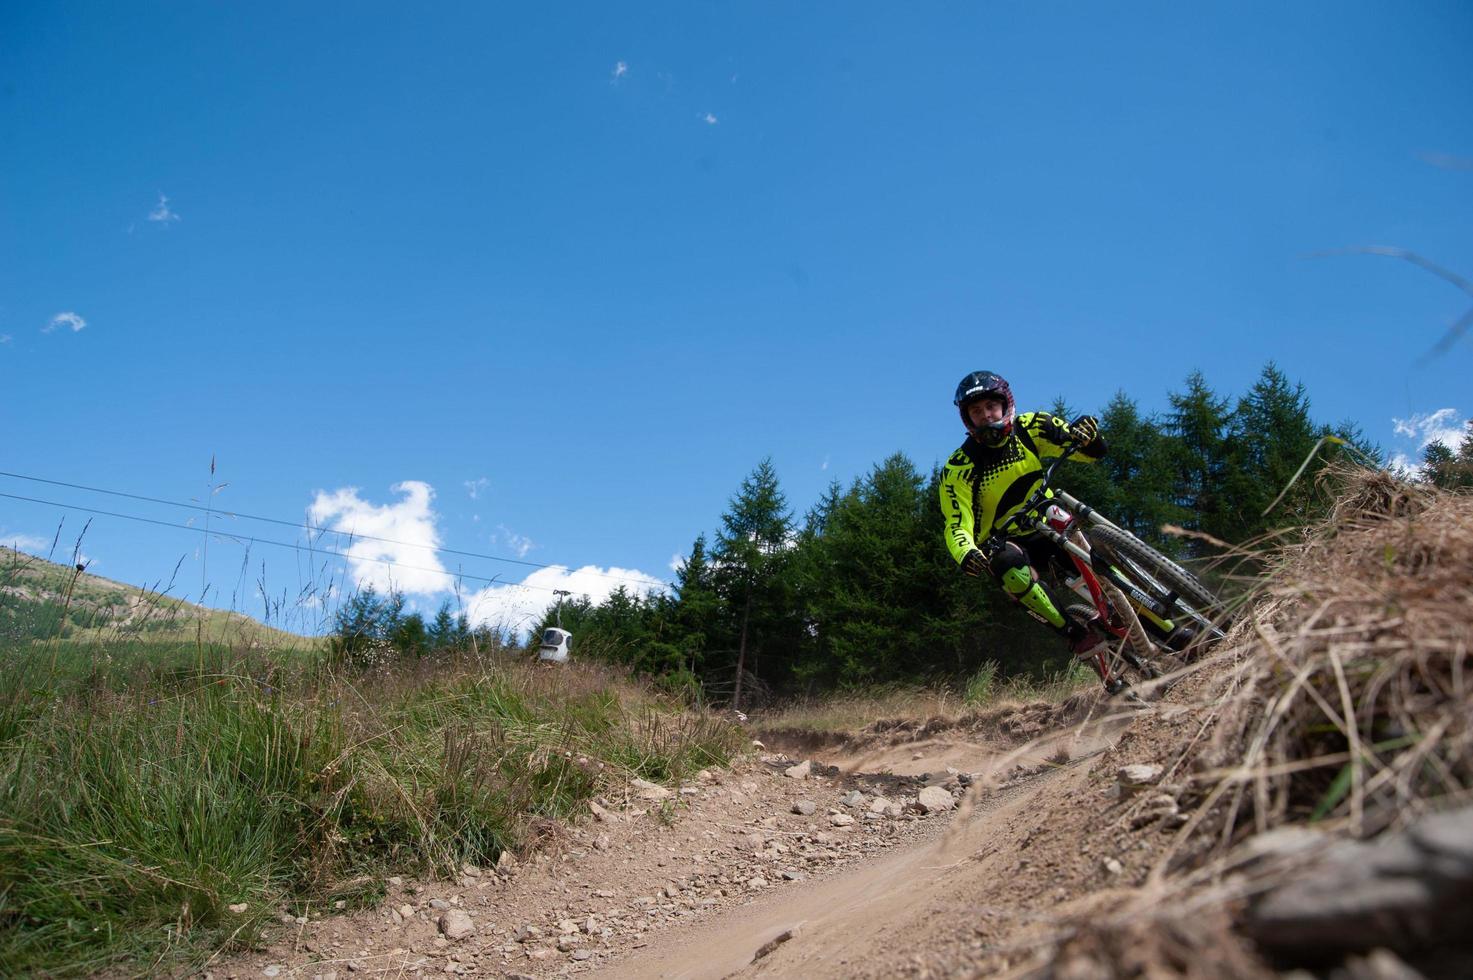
column 988, row 479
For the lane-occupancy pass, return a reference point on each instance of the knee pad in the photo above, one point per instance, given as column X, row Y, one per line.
column 1007, row 558
column 1018, row 581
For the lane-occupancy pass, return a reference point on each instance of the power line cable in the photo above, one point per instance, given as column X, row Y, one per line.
column 281, row 544
column 300, row 527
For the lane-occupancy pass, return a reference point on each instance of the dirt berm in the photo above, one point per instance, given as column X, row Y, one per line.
column 1296, row 799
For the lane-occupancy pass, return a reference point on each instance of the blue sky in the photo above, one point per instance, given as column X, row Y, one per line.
column 564, row 273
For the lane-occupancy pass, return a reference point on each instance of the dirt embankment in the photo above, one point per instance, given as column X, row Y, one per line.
column 1093, row 839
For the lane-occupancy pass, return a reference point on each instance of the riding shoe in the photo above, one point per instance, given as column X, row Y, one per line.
column 1114, row 686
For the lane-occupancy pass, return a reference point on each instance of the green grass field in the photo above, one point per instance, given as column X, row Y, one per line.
column 149, row 786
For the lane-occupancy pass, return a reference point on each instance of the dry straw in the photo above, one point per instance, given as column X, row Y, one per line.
column 1340, row 699
column 1349, row 703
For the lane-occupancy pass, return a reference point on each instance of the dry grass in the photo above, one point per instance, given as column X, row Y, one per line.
column 1348, row 703
column 1341, row 699
column 850, row 713
column 932, row 707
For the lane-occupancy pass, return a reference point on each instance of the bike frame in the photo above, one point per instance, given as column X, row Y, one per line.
column 1093, row 567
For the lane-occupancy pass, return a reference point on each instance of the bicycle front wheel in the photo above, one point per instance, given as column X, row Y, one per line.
column 1139, row 559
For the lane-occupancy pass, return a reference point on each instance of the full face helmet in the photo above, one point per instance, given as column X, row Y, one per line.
column 985, row 384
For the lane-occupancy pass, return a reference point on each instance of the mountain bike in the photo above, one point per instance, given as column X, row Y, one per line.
column 1128, row 590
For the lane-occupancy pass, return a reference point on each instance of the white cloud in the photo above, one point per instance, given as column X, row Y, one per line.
column 1445, row 425
column 709, row 119
column 28, row 543
column 474, row 487
column 5, row 338
column 410, row 523
column 620, row 70
column 519, row 543
column 66, row 319
column 677, row 561
column 162, row 213
column 825, row 464
column 521, row 605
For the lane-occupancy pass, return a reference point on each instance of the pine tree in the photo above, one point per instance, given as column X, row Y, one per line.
column 442, row 629
column 693, row 618
column 1197, row 426
column 1270, row 436
column 751, row 550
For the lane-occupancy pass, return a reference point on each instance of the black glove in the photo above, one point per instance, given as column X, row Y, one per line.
column 1084, row 430
column 974, row 563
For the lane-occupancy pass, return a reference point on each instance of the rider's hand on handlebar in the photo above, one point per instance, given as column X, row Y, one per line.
column 1084, row 430
column 974, row 563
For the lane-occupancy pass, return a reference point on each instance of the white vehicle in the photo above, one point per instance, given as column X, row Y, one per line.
column 555, row 644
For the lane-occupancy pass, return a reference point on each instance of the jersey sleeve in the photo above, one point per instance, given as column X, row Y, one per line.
column 956, row 506
column 1051, row 436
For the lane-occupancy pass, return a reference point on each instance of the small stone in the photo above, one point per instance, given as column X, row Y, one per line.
column 274, row 970
column 800, row 771
column 653, row 792
column 506, row 862
column 470, row 870
column 239, row 907
column 773, row 943
column 567, row 927
column 407, row 911
column 354, row 966
column 456, row 924
column 879, row 805
column 841, row 820
column 805, row 808
column 602, row 842
column 934, row 799
column 853, row 798
column 1113, row 866
column 582, row 954
column 439, row 904
column 396, row 882
column 602, row 815
column 1133, row 777
column 757, row 744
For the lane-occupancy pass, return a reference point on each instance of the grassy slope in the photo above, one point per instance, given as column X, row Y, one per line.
column 36, row 596
column 140, row 800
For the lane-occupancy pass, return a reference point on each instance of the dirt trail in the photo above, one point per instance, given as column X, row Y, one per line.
column 835, row 924
column 863, row 875
column 855, row 923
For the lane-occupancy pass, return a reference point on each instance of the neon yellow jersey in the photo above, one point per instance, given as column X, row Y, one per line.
column 983, row 486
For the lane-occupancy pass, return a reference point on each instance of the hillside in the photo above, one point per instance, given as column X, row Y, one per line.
column 42, row 600
column 1296, row 800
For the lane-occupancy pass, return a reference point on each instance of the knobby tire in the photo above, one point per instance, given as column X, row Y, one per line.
column 1114, row 541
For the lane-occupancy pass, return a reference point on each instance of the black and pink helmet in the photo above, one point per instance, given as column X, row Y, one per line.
column 980, row 384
